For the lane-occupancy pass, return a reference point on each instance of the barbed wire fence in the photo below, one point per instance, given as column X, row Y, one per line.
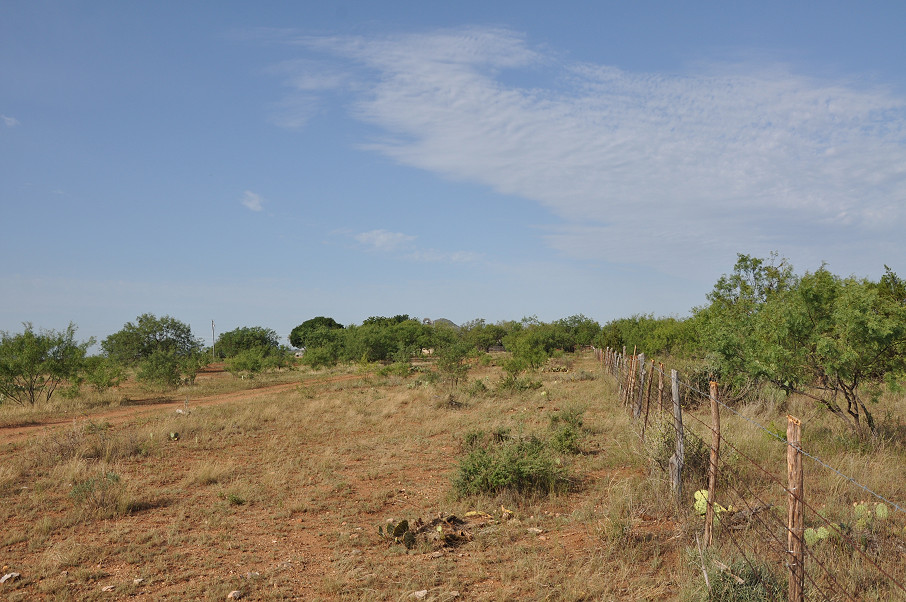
column 744, row 497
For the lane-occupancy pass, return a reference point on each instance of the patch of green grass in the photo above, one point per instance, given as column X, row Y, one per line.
column 759, row 584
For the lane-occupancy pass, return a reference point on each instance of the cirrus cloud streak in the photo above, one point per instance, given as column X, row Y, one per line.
column 679, row 168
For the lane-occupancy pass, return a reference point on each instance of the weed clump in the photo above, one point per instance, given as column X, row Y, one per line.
column 102, row 495
column 660, row 445
column 499, row 463
column 566, row 427
column 758, row 583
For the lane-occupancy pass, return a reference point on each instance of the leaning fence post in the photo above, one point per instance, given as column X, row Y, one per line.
column 712, row 467
column 795, row 527
column 676, row 462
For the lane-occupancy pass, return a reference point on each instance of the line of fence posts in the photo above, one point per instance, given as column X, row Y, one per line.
column 625, row 369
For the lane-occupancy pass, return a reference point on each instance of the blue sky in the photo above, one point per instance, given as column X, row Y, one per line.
column 265, row 163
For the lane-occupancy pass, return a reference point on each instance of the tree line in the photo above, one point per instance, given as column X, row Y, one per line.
column 838, row 340
column 161, row 352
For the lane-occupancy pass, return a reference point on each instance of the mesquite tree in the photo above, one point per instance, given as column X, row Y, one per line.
column 33, row 364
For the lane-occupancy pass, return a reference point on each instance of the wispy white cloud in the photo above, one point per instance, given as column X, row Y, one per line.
column 307, row 79
column 8, row 121
column 404, row 245
column 432, row 256
column 647, row 167
column 252, row 201
column 382, row 240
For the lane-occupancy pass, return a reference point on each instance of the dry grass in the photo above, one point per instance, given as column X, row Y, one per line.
column 280, row 495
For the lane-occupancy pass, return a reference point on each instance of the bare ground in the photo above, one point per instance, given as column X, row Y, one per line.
column 293, row 512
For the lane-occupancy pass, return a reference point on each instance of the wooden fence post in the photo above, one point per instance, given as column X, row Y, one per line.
column 712, row 467
column 676, row 461
column 629, row 376
column 660, row 386
column 796, row 523
column 637, row 397
column 622, row 376
column 647, row 401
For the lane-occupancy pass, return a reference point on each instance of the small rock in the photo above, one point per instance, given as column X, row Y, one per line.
column 234, row 595
column 108, row 588
column 419, row 595
column 138, row 581
column 9, row 577
column 535, row 530
column 436, row 554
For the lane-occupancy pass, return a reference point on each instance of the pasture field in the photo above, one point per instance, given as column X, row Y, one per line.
column 289, row 487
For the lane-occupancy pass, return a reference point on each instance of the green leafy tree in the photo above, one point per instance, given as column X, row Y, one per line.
column 582, row 330
column 451, row 361
column 648, row 334
column 381, row 339
column 245, row 338
column 33, row 364
column 831, row 338
column 835, row 340
column 163, row 349
column 314, row 332
column 483, row 336
column 150, row 334
column 728, row 324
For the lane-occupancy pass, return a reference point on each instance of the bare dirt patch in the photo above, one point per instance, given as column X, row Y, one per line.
column 287, row 491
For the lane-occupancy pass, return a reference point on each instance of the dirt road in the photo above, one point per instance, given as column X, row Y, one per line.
column 121, row 415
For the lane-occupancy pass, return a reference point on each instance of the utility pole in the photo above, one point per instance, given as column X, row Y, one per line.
column 212, row 341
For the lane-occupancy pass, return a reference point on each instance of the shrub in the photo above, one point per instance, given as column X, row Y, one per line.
column 566, row 440
column 401, row 369
column 515, row 384
column 320, row 357
column 102, row 373
column 161, row 369
column 33, row 364
column 477, row 388
column 567, row 427
column 525, row 465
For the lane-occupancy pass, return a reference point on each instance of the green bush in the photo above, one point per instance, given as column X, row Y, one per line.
column 161, row 369
column 234, row 342
column 320, row 357
column 400, row 368
column 477, row 388
column 102, row 373
column 526, row 465
column 567, row 430
column 566, row 440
